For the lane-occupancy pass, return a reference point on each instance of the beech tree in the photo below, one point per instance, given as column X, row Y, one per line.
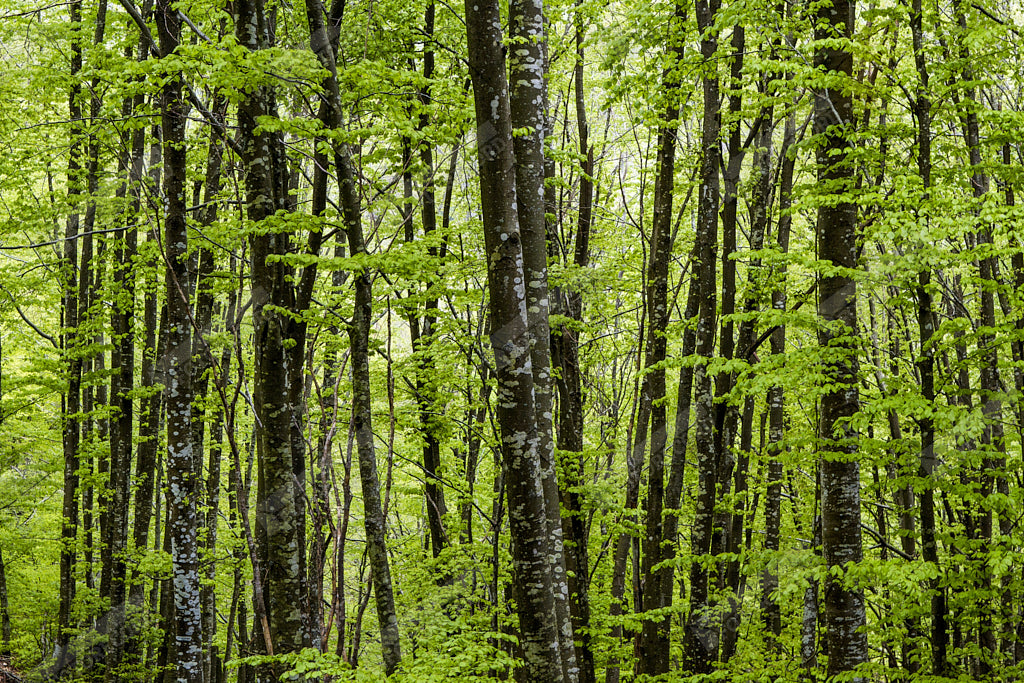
column 548, row 342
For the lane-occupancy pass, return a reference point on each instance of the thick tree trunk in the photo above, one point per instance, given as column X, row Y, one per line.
column 183, row 485
column 280, row 512
column 527, row 95
column 700, row 642
column 511, row 341
column 837, row 308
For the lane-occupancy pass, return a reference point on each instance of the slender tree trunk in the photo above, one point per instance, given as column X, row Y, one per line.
column 770, row 608
column 653, row 653
column 569, row 381
column 939, row 637
column 359, row 337
column 994, row 464
column 422, row 329
column 5, row 609
column 69, row 342
column 634, row 464
column 203, row 361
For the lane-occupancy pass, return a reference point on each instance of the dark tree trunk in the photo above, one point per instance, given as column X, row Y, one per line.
column 939, row 637
column 183, row 484
column 5, row 611
column 770, row 608
column 69, row 342
column 994, row 464
column 837, row 239
column 280, row 517
column 700, row 642
column 569, row 382
column 634, row 465
column 359, row 338
column 511, row 341
column 203, row 361
column 422, row 329
column 653, row 653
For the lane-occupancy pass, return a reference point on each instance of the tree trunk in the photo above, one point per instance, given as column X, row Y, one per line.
column 511, row 341
column 837, row 307
column 280, row 517
column 69, row 342
column 939, row 638
column 183, row 486
column 770, row 608
column 569, row 382
column 527, row 95
column 700, row 642
column 653, row 655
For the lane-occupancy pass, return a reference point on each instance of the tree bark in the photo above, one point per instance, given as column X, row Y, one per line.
column 183, row 493
column 700, row 641
column 69, row 342
column 770, row 608
column 527, row 95
column 280, row 517
column 521, row 444
column 569, row 382
column 653, row 653
column 939, row 638
column 837, row 238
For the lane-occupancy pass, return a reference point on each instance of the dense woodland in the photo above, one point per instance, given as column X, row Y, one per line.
column 557, row 342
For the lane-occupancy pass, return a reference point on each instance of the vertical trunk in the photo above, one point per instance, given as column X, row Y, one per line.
column 654, row 640
column 634, row 465
column 809, row 613
column 762, row 194
column 5, row 613
column 939, row 638
column 527, row 96
column 521, row 443
column 359, row 333
column 700, row 642
column 994, row 464
column 837, row 308
column 569, row 381
column 202, row 362
column 726, row 415
column 5, row 610
column 122, row 360
column 324, row 42
column 680, row 443
column 280, row 515
column 359, row 339
column 422, row 329
column 69, row 341
column 776, row 401
column 149, row 438
column 183, row 493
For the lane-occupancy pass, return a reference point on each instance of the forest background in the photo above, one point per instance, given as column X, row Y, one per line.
column 566, row 342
